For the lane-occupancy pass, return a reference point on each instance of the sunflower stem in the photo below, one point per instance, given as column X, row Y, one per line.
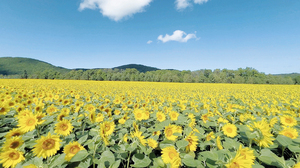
column 250, row 143
column 38, row 131
column 283, row 149
column 83, row 127
column 128, row 159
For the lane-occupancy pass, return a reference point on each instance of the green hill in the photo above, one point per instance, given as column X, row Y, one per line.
column 140, row 68
column 17, row 65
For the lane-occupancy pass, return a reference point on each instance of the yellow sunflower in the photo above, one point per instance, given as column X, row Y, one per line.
column 262, row 127
column 99, row 117
column 289, row 132
column 4, row 108
column 219, row 143
column 210, row 136
column 107, row 128
column 61, row 116
column 139, row 114
column 152, row 143
column 193, row 141
column 287, row 120
column 247, row 153
column 13, row 143
column 160, row 116
column 125, row 138
column 170, row 155
column 15, row 132
column 11, row 158
column 64, row 127
column 173, row 115
column 229, row 130
column 244, row 158
column 46, row 146
column 71, row 149
column 141, row 138
column 169, row 131
column 92, row 117
column 39, row 117
column 28, row 123
column 297, row 165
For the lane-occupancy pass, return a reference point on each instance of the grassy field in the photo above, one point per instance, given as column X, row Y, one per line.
column 65, row 123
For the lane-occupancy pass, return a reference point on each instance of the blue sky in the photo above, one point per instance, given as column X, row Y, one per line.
column 202, row 34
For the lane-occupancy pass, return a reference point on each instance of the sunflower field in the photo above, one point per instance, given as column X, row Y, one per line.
column 89, row 124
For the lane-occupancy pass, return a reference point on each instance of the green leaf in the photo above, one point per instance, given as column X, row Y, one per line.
column 283, row 140
column 79, row 156
column 190, row 161
column 107, row 156
column 58, row 160
column 269, row 158
column 182, row 143
column 210, row 154
column 140, row 160
column 295, row 149
column 82, row 139
column 116, row 164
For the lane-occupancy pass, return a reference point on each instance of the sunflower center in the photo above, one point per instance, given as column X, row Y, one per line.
column 15, row 134
column 288, row 120
column 169, row 132
column 14, row 144
column 107, row 127
column 48, row 144
column 288, row 134
column 30, row 122
column 64, row 127
column 61, row 117
column 14, row 155
column 174, row 115
column 234, row 165
column 229, row 130
column 2, row 110
column 74, row 149
column 139, row 115
column 37, row 108
column 172, row 155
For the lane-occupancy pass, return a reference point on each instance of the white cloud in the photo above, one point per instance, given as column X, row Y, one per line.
column 115, row 9
column 200, row 1
column 182, row 4
column 176, row 36
column 149, row 42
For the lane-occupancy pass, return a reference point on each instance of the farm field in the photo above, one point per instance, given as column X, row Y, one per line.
column 68, row 123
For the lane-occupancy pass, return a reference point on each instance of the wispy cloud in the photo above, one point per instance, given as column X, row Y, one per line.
column 177, row 35
column 149, row 42
column 115, row 9
column 182, row 4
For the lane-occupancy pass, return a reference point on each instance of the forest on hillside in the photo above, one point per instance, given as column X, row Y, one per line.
column 247, row 75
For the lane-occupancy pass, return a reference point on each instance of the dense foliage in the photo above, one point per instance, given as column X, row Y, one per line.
column 64, row 123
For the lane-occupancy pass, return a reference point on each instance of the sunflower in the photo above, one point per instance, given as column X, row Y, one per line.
column 210, row 136
column 117, row 112
column 13, row 143
column 219, row 143
column 273, row 121
column 51, row 109
column 289, row 132
column 92, row 117
column 28, row 123
column 11, row 158
column 125, row 138
column 99, row 117
column 15, row 132
column 46, row 146
column 39, row 117
column 169, row 131
column 141, row 138
column 90, row 108
column 287, row 120
column 4, row 108
column 160, row 116
column 64, row 127
column 193, row 141
column 139, row 114
column 107, row 128
column 244, row 158
column 173, row 115
column 170, row 155
column 156, row 133
column 229, row 130
column 152, row 143
column 247, row 153
column 297, row 165
column 61, row 116
column 71, row 149
column 265, row 137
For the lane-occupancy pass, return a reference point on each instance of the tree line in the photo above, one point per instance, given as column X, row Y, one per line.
column 247, row 75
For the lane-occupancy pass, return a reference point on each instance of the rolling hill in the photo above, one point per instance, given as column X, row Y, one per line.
column 17, row 65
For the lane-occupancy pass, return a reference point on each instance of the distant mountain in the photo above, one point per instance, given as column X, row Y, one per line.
column 17, row 65
column 140, row 68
